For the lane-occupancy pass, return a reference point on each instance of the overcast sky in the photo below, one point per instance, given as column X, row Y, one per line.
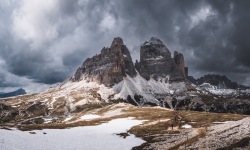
column 42, row 42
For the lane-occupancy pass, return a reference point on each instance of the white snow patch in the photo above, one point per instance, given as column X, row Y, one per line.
column 100, row 137
column 217, row 91
column 90, row 117
column 68, row 118
column 222, row 122
column 156, row 58
column 186, row 126
column 153, row 41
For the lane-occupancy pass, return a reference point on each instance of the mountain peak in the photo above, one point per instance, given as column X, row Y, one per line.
column 109, row 67
column 153, row 41
column 117, row 41
column 156, row 62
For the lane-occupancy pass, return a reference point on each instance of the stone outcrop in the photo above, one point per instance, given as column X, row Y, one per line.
column 109, row 67
column 156, row 61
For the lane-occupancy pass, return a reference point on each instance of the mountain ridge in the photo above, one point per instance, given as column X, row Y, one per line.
column 111, row 77
column 221, row 81
column 13, row 93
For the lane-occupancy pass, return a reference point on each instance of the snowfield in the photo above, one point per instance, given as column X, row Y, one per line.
column 100, row 137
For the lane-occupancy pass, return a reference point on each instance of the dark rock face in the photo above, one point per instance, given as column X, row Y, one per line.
column 156, row 61
column 192, row 79
column 112, row 64
column 109, row 67
column 179, row 61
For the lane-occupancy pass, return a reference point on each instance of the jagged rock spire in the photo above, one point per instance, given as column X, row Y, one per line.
column 156, row 61
column 112, row 64
column 109, row 67
column 117, row 41
column 152, row 41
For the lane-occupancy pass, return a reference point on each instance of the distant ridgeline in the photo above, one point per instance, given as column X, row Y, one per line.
column 221, row 81
column 14, row 93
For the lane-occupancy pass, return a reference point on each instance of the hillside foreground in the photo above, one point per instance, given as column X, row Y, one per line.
column 160, row 128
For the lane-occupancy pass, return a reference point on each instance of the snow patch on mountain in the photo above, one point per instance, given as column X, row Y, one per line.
column 129, row 86
column 148, row 89
column 217, row 91
column 153, row 41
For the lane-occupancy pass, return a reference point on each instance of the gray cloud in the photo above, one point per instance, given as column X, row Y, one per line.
column 45, row 41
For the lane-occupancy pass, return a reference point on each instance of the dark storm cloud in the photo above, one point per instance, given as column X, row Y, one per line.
column 221, row 42
column 50, row 57
column 45, row 41
column 213, row 35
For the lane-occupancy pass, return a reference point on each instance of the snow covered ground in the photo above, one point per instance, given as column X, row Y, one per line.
column 100, row 137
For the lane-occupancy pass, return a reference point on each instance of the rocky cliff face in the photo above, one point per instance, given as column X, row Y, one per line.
column 180, row 63
column 114, row 63
column 109, row 67
column 156, row 61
